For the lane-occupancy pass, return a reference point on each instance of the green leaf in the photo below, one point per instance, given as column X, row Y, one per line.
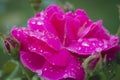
column 9, row 67
column 109, row 69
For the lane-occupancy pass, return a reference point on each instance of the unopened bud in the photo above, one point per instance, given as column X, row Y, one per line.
column 12, row 46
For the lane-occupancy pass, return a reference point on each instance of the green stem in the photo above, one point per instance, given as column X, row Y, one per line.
column 25, row 72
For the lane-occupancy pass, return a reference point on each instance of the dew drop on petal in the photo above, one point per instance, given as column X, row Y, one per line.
column 98, row 49
column 18, row 35
column 39, row 72
column 42, row 18
column 29, row 61
column 36, row 18
column 45, row 69
column 53, row 63
column 100, row 44
column 79, row 40
column 65, row 75
column 93, row 44
column 79, row 48
column 33, row 22
column 85, row 44
column 41, row 51
column 39, row 23
column 105, row 46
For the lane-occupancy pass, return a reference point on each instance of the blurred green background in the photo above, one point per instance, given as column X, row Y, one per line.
column 17, row 12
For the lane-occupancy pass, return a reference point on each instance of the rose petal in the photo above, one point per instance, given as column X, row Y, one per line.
column 98, row 31
column 57, row 19
column 111, row 53
column 42, row 24
column 53, row 9
column 31, row 60
column 88, row 46
column 20, row 36
column 77, row 25
column 73, row 70
column 52, row 40
column 60, row 58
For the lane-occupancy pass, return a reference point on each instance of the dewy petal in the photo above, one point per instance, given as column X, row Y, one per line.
column 21, row 37
column 31, row 60
column 77, row 25
column 49, row 38
column 44, row 44
column 88, row 46
column 22, row 34
column 80, row 12
column 57, row 19
column 60, row 58
column 111, row 53
column 41, row 24
column 98, row 31
column 74, row 70
column 53, row 9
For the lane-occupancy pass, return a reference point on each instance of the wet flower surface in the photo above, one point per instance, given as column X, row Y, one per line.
column 53, row 39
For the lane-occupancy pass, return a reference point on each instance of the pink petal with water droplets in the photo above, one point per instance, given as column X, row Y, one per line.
column 111, row 53
column 88, row 46
column 74, row 70
column 98, row 31
column 49, row 38
column 36, row 23
column 80, row 12
column 44, row 44
column 77, row 25
column 31, row 60
column 60, row 58
column 57, row 19
column 53, row 9
column 21, row 37
column 71, row 29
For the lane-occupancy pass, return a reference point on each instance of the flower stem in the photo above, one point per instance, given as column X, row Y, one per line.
column 25, row 71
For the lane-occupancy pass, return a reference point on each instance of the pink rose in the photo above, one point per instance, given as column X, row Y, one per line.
column 54, row 41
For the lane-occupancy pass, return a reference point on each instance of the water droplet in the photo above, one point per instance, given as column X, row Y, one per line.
column 93, row 44
column 72, row 69
column 39, row 72
column 85, row 44
column 36, row 18
column 41, row 51
column 79, row 40
column 100, row 44
column 18, row 35
column 33, row 22
column 53, row 63
column 34, row 49
column 42, row 13
column 98, row 49
column 79, row 48
column 42, row 18
column 29, row 61
column 45, row 69
column 39, row 23
column 65, row 75
column 105, row 46
column 110, row 71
